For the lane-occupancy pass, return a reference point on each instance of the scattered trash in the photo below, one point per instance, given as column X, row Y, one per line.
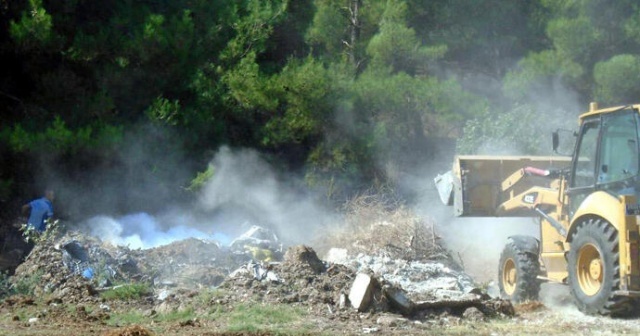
column 163, row 295
column 88, row 273
column 361, row 292
column 260, row 243
column 369, row 330
column 82, row 266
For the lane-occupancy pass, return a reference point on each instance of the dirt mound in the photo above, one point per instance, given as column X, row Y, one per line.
column 189, row 251
column 190, row 262
column 75, row 266
column 301, row 278
column 44, row 271
column 303, row 256
column 130, row 331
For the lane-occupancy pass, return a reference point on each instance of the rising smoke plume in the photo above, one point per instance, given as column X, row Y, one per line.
column 244, row 191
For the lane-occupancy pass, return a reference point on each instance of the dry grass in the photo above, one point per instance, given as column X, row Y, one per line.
column 375, row 223
column 529, row 306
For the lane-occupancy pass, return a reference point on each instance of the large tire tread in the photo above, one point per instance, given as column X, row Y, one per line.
column 527, row 269
column 600, row 233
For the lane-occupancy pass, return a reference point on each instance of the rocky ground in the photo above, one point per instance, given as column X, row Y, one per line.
column 380, row 278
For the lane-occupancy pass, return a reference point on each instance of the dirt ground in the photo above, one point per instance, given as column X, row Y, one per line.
column 196, row 287
column 531, row 318
column 306, row 293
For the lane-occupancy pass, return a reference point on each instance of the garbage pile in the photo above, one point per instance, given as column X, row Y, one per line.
column 75, row 268
column 342, row 289
column 50, row 269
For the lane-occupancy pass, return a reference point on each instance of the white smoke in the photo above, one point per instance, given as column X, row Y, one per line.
column 139, row 231
column 244, row 191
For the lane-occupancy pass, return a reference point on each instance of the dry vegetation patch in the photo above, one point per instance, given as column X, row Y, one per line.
column 379, row 223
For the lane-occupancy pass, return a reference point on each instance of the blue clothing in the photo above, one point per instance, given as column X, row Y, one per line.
column 41, row 210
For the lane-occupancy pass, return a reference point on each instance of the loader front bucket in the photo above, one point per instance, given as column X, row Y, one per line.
column 478, row 185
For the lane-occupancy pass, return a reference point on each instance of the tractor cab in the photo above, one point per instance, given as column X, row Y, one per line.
column 606, row 155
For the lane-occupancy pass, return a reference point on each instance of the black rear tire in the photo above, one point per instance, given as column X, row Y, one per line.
column 594, row 269
column 517, row 273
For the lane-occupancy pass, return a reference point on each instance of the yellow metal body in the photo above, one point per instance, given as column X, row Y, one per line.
column 614, row 210
column 485, row 186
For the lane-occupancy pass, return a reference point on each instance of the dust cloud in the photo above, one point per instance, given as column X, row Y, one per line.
column 475, row 243
column 478, row 242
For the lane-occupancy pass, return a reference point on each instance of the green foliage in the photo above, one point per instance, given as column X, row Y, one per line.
column 573, row 38
column 523, row 130
column 482, row 36
column 335, row 168
column 396, row 104
column 328, row 27
column 59, row 138
column 30, row 234
column 612, row 79
column 128, row 317
column 164, row 110
column 303, row 91
column 201, row 179
column 589, row 32
column 27, row 283
column 35, row 28
column 5, row 285
column 341, row 30
column 405, row 108
column 125, row 292
column 253, row 30
column 253, row 318
column 338, row 88
column 397, row 46
column 632, row 26
column 178, row 315
column 537, row 71
column 247, row 86
column 205, row 296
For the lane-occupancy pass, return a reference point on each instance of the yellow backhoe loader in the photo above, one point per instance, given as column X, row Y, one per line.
column 587, row 206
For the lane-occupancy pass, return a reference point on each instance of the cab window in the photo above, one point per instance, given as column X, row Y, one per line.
column 586, row 156
column 618, row 147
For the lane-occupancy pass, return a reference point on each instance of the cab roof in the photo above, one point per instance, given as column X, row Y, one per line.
column 593, row 110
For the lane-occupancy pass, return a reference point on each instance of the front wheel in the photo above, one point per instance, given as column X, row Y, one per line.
column 594, row 269
column 517, row 273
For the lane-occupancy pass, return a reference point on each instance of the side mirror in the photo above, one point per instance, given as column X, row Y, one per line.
column 555, row 139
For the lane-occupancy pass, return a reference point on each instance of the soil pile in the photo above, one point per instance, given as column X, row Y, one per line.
column 406, row 282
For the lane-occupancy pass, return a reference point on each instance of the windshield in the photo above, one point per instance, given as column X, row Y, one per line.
column 618, row 148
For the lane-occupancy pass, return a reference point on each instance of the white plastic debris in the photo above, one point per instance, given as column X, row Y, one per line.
column 164, row 294
column 361, row 292
column 370, row 330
